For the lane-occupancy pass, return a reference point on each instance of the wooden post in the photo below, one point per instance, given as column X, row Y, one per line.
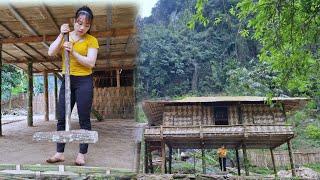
column 0, row 87
column 291, row 158
column 273, row 162
column 245, row 159
column 238, row 161
column 46, row 98
column 138, row 152
column 56, row 96
column 163, row 156
column 170, row 160
column 203, row 159
column 30, row 93
column 146, row 155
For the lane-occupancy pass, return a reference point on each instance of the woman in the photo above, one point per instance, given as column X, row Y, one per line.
column 83, row 50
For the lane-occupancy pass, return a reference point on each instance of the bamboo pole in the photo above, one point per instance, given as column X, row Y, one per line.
column 46, row 98
column 138, row 152
column 56, row 96
column 30, row 93
column 0, row 88
column 238, row 161
column 273, row 162
column 291, row 158
column 67, row 86
column 245, row 159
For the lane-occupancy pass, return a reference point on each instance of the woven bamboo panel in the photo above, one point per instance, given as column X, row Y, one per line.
column 154, row 112
column 261, row 114
column 186, row 115
column 233, row 115
column 114, row 103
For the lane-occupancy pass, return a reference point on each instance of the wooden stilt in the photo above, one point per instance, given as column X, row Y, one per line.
column 30, row 93
column 163, row 156
column 203, row 159
column 245, row 158
column 291, row 158
column 273, row 162
column 56, row 96
column 0, row 87
column 170, row 160
column 46, row 96
column 150, row 159
column 146, row 155
column 238, row 161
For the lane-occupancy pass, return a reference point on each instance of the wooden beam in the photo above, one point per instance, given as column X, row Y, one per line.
column 46, row 96
column 163, row 156
column 273, row 163
column 24, row 22
column 111, row 57
column 0, row 88
column 45, row 9
column 47, row 38
column 30, row 93
column 291, row 158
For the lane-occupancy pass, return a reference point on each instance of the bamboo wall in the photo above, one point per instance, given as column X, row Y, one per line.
column 282, row 158
column 187, row 115
column 114, row 102
column 261, row 114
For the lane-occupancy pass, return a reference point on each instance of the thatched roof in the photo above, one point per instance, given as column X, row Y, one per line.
column 26, row 30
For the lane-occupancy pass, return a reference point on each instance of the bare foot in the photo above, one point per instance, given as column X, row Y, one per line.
column 80, row 160
column 58, row 157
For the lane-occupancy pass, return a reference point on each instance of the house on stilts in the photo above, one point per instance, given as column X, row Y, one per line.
column 240, row 122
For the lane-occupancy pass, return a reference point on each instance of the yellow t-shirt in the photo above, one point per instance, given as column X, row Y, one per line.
column 222, row 152
column 80, row 47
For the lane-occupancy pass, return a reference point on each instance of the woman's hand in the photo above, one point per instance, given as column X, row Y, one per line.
column 68, row 46
column 64, row 28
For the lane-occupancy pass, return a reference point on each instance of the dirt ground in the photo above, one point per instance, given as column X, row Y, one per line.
column 116, row 147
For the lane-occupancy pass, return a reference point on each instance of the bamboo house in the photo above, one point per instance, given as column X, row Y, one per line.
column 209, row 122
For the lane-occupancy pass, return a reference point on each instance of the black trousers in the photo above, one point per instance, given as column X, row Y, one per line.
column 223, row 164
column 81, row 88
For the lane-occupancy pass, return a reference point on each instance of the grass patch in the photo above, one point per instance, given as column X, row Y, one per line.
column 314, row 166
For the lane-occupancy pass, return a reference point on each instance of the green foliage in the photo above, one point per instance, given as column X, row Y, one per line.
column 313, row 131
column 198, row 16
column 261, row 170
column 13, row 81
column 315, row 166
column 175, row 61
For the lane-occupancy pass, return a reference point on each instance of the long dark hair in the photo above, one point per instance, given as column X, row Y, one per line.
column 86, row 11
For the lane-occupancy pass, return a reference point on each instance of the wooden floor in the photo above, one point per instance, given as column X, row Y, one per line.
column 116, row 147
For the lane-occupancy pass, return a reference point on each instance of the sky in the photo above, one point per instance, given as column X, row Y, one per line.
column 144, row 6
